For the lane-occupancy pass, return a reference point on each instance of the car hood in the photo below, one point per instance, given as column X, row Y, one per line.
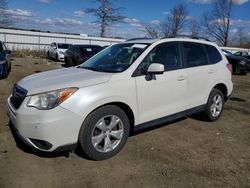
column 62, row 78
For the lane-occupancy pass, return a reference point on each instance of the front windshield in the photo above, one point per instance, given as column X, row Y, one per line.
column 116, row 58
column 63, row 46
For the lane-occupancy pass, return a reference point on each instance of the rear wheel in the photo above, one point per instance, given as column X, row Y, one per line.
column 215, row 105
column 48, row 55
column 104, row 132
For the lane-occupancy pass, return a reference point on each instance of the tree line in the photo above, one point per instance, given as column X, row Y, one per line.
column 214, row 24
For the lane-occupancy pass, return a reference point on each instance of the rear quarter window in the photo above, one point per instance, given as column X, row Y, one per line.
column 213, row 54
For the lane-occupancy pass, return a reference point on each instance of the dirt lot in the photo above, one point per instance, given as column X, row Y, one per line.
column 187, row 153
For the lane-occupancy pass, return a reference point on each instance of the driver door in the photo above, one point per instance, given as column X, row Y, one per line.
column 161, row 95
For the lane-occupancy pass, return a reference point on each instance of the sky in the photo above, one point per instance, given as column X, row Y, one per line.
column 69, row 16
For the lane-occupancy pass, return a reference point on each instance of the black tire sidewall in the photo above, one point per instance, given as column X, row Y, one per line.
column 209, row 103
column 87, row 128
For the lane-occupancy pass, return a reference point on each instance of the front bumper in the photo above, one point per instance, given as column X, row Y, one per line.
column 61, row 57
column 47, row 130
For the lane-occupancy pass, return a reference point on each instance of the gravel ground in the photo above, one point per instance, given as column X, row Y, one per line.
column 186, row 153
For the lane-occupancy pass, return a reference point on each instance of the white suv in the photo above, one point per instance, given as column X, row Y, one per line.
column 126, row 87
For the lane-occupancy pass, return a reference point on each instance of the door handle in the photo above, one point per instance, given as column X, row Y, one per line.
column 211, row 71
column 181, row 78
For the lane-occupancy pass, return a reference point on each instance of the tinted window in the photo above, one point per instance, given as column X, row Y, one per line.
column 1, row 47
column 166, row 54
column 63, row 46
column 74, row 48
column 213, row 54
column 195, row 54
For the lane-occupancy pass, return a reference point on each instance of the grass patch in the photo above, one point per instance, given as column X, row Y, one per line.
column 29, row 53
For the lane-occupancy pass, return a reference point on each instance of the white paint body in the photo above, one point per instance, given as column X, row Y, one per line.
column 170, row 93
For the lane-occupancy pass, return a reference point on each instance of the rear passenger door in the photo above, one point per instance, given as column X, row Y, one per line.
column 201, row 72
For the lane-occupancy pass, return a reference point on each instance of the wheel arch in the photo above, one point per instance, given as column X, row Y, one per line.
column 125, row 107
column 223, row 88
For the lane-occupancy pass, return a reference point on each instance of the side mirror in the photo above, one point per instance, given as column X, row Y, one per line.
column 156, row 68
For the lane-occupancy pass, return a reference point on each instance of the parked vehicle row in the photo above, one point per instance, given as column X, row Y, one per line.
column 5, row 60
column 243, row 54
column 128, row 86
column 72, row 54
column 241, row 65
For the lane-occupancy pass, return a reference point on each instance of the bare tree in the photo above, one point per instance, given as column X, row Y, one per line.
column 241, row 35
column 164, row 29
column 217, row 21
column 195, row 28
column 177, row 19
column 152, row 29
column 106, row 15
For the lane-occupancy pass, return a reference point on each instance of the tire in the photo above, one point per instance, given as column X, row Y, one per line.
column 9, row 67
column 69, row 62
column 96, row 137
column 243, row 72
column 57, row 59
column 214, row 106
column 48, row 55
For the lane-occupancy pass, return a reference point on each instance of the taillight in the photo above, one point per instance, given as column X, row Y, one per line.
column 229, row 67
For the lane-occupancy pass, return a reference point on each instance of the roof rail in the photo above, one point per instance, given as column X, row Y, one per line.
column 138, row 39
column 187, row 36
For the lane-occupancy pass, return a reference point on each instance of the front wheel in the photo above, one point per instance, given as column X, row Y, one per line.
column 48, row 55
column 57, row 57
column 215, row 105
column 104, row 132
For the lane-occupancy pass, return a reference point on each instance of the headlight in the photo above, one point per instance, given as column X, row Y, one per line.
column 2, row 62
column 61, row 53
column 49, row 100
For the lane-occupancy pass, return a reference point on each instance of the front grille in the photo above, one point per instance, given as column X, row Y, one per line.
column 16, row 102
column 18, row 96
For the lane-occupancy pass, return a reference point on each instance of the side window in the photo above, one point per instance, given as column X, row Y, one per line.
column 1, row 47
column 213, row 54
column 166, row 54
column 195, row 54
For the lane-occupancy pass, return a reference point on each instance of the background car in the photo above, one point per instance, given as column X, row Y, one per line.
column 77, row 54
column 243, row 54
column 56, row 51
column 5, row 62
column 240, row 64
